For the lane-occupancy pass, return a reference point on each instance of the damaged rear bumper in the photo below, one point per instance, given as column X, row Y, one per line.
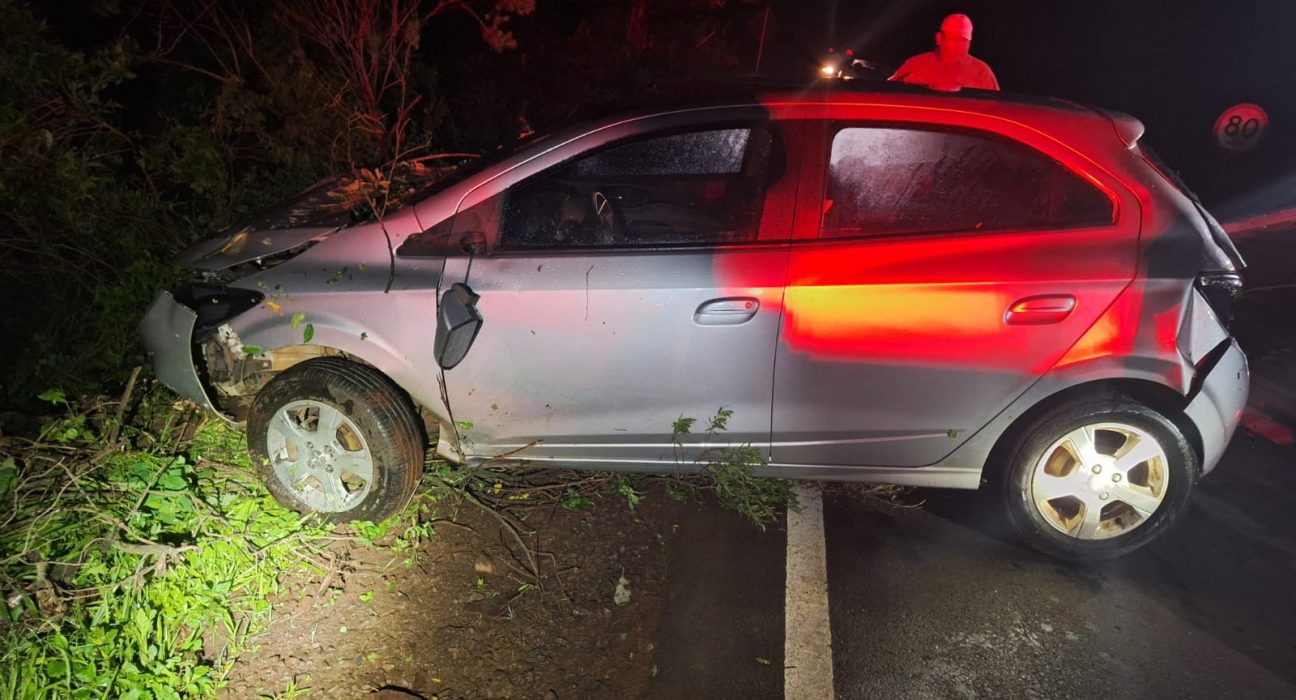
column 1217, row 407
column 167, row 331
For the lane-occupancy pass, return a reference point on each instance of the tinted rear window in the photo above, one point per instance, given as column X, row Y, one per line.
column 895, row 180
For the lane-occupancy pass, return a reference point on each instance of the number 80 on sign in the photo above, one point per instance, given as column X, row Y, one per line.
column 1241, row 127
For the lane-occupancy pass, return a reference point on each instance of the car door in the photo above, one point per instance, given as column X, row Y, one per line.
column 954, row 266
column 629, row 285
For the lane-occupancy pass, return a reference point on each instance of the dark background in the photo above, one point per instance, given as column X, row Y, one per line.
column 1175, row 65
column 114, row 156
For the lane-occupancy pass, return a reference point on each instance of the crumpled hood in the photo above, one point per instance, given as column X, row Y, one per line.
column 247, row 244
column 322, row 209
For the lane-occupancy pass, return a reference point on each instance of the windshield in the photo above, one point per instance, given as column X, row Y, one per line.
column 362, row 195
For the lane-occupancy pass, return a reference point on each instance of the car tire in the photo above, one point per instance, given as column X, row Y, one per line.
column 1114, row 502
column 337, row 439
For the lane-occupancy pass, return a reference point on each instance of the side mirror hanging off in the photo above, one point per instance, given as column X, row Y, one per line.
column 458, row 322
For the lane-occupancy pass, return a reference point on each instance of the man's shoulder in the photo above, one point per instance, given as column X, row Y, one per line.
column 979, row 64
column 920, row 65
column 919, row 59
column 979, row 75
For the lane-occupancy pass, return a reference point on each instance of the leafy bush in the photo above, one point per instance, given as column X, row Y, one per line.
column 730, row 473
column 98, row 195
column 136, row 573
column 87, row 223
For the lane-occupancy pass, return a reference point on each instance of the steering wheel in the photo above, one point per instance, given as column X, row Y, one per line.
column 549, row 213
column 609, row 228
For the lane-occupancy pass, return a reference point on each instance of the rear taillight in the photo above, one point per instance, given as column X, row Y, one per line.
column 1222, row 291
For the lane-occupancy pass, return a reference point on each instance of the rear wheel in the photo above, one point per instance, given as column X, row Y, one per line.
column 1098, row 479
column 336, row 438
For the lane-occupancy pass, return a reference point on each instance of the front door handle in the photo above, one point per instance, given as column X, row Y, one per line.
column 1040, row 310
column 726, row 312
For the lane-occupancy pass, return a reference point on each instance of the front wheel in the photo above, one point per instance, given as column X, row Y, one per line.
column 336, row 438
column 1098, row 479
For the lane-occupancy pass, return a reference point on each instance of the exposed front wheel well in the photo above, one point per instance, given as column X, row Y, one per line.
column 338, row 439
column 234, row 378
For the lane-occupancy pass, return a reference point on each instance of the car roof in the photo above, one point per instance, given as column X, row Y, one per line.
column 1051, row 113
column 735, row 92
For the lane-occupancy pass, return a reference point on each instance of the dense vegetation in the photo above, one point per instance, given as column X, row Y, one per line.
column 137, row 556
column 128, row 134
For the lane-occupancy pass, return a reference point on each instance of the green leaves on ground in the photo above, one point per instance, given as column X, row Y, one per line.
column 729, row 471
column 704, row 463
column 54, row 396
column 140, row 573
column 8, row 475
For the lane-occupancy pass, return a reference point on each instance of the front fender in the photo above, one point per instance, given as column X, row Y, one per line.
column 373, row 343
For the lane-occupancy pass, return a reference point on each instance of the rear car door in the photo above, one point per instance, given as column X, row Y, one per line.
column 636, row 281
column 954, row 266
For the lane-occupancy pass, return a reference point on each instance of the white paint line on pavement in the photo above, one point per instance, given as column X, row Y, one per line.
column 807, row 645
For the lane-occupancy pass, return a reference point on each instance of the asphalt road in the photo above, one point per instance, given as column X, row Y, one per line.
column 941, row 602
column 722, row 634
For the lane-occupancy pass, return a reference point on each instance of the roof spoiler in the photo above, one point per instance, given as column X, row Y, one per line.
column 1128, row 129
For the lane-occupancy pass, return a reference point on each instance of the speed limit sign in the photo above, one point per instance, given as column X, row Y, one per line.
column 1241, row 127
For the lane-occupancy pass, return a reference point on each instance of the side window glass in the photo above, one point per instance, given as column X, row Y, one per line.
column 455, row 234
column 701, row 187
column 884, row 180
column 703, row 153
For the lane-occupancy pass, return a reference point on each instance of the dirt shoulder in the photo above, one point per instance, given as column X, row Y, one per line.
column 461, row 617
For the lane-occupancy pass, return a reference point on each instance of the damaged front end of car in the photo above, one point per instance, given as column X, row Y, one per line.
column 186, row 333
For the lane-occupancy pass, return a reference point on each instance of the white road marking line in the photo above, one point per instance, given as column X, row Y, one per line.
column 807, row 645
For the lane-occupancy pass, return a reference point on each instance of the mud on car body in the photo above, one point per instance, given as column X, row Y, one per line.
column 882, row 284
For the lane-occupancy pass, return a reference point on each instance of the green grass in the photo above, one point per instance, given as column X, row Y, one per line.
column 144, row 567
column 139, row 572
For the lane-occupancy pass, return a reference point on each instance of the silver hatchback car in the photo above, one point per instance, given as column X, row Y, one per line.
column 882, row 284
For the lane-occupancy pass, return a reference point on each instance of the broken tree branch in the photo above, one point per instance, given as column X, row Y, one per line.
column 121, row 407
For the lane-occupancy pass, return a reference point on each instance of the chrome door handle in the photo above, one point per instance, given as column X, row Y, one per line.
column 726, row 312
column 1040, row 310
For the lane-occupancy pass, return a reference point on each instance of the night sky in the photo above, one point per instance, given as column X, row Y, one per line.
column 1174, row 64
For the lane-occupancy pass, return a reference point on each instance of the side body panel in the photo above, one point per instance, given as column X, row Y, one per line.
column 895, row 349
column 910, row 320
column 589, row 357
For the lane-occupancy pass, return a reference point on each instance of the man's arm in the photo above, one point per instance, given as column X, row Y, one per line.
column 987, row 81
column 903, row 71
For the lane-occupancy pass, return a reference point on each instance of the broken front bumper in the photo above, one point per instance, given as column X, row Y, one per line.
column 167, row 331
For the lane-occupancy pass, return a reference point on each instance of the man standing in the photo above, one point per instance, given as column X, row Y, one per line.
column 950, row 66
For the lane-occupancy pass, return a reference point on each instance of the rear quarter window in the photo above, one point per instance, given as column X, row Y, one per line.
column 885, row 180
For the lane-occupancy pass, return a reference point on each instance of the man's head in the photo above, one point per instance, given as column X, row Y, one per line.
column 954, row 38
